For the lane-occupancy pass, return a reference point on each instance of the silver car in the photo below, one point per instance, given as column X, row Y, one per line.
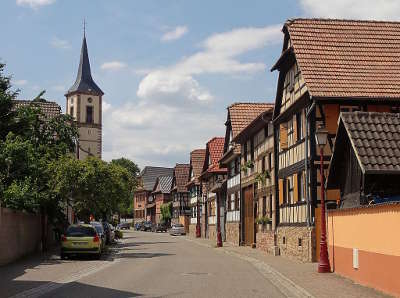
column 177, row 229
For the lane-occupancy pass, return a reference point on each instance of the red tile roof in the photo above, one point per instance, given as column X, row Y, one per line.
column 346, row 58
column 181, row 176
column 197, row 161
column 215, row 147
column 243, row 113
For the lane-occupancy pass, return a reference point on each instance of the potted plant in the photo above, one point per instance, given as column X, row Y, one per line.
column 262, row 222
column 262, row 177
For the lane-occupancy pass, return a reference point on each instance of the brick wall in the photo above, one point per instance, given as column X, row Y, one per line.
column 20, row 234
column 297, row 243
column 232, row 232
column 265, row 241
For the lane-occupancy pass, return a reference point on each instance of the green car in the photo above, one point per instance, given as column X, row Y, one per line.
column 81, row 239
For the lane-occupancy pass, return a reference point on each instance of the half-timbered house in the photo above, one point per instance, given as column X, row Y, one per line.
column 239, row 115
column 197, row 158
column 212, row 178
column 257, row 182
column 161, row 194
column 326, row 66
column 180, row 195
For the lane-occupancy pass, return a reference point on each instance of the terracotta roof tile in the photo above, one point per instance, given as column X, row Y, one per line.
column 346, row 58
column 242, row 114
column 181, row 176
column 197, row 158
column 49, row 108
column 215, row 148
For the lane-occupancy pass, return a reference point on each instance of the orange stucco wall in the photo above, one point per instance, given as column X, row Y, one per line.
column 374, row 232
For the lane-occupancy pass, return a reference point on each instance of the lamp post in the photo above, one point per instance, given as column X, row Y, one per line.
column 219, row 236
column 321, row 137
column 198, row 229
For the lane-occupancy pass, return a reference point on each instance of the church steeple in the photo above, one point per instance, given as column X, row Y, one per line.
column 84, row 82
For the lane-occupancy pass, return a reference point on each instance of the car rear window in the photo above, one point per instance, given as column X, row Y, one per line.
column 80, row 231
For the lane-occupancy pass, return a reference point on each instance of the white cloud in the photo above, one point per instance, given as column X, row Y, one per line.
column 20, row 82
column 352, row 9
column 60, row 43
column 113, row 65
column 175, row 34
column 219, row 54
column 34, row 3
column 173, row 113
column 157, row 134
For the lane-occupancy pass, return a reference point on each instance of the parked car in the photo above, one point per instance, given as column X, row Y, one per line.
column 177, row 229
column 81, row 239
column 124, row 226
column 161, row 227
column 100, row 231
column 147, row 226
column 138, row 226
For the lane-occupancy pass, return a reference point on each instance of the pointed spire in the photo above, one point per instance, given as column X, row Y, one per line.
column 84, row 81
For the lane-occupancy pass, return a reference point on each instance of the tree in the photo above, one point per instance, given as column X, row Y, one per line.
column 126, row 206
column 166, row 212
column 7, row 115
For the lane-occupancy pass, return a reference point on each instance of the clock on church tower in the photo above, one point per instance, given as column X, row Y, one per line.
column 84, row 104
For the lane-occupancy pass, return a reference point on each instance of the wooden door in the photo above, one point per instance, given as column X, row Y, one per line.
column 248, row 216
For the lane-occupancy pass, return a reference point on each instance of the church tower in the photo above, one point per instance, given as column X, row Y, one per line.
column 84, row 104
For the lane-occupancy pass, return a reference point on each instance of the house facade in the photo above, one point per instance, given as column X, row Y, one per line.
column 197, row 158
column 239, row 116
column 180, row 195
column 212, row 179
column 326, row 67
column 143, row 200
column 257, row 183
column 161, row 195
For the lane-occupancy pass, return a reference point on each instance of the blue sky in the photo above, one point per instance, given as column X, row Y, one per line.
column 168, row 69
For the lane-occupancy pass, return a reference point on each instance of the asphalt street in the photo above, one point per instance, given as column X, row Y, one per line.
column 142, row 264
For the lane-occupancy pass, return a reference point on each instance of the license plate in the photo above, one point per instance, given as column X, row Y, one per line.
column 79, row 243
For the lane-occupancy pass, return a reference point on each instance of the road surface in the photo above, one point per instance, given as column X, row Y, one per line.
column 142, row 264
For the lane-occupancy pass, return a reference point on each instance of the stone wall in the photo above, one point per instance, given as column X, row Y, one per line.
column 297, row 242
column 232, row 232
column 192, row 230
column 212, row 232
column 265, row 241
column 20, row 234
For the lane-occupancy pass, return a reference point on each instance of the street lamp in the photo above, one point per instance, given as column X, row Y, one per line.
column 198, row 229
column 321, row 137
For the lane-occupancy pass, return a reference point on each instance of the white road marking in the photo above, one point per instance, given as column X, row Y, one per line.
column 51, row 286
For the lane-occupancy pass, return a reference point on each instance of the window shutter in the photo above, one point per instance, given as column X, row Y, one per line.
column 295, row 188
column 281, row 191
column 283, row 135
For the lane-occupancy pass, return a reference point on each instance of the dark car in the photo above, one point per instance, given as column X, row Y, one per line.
column 124, row 226
column 161, row 227
column 147, row 226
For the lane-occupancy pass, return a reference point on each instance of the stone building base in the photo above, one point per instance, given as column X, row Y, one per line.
column 266, row 241
column 212, row 232
column 232, row 232
column 297, row 242
column 192, row 230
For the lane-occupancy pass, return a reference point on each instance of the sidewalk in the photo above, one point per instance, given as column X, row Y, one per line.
column 298, row 279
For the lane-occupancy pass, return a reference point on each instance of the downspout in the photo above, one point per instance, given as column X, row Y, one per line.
column 241, row 238
column 308, row 112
